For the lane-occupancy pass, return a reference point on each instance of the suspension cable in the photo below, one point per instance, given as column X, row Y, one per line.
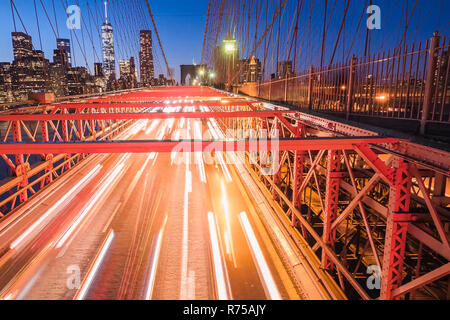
column 206, row 31
column 169, row 73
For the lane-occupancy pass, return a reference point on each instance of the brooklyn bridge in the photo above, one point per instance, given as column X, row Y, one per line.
column 304, row 157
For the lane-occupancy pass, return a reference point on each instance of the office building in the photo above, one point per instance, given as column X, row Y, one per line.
column 109, row 59
column 146, row 58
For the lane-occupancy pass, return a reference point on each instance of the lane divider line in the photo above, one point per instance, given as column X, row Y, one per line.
column 269, row 283
column 84, row 288
column 219, row 268
column 155, row 259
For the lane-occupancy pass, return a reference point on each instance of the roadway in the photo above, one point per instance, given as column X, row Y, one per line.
column 143, row 226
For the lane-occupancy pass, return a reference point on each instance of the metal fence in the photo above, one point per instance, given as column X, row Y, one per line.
column 409, row 83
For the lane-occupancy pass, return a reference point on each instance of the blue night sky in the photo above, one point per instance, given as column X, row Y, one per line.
column 181, row 25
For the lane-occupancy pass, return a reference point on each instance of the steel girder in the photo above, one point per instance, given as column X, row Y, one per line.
column 396, row 230
column 331, row 202
column 355, row 192
column 28, row 177
column 147, row 146
column 379, row 171
column 139, row 116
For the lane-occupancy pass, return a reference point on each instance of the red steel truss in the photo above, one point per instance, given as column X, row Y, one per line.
column 140, row 115
column 357, row 199
column 118, row 146
column 331, row 202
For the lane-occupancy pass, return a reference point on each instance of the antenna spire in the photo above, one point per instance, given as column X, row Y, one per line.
column 106, row 11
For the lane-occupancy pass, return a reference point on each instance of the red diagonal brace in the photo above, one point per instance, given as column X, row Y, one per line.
column 375, row 162
column 331, row 202
column 298, row 176
column 396, row 230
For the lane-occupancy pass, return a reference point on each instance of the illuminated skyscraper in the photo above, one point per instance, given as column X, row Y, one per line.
column 22, row 45
column 284, row 69
column 64, row 46
column 109, row 60
column 146, row 58
column 124, row 66
column 250, row 70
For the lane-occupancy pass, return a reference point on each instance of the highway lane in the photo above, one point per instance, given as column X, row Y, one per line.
column 142, row 228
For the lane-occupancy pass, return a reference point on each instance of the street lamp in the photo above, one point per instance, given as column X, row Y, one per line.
column 229, row 44
column 230, row 47
column 211, row 76
column 201, row 73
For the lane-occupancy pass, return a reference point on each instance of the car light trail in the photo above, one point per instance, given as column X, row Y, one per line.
column 140, row 125
column 212, row 131
column 199, row 155
column 229, row 239
column 174, row 155
column 154, row 265
column 224, row 167
column 8, row 297
column 176, row 136
column 227, row 247
column 63, row 201
column 264, row 270
column 184, row 248
column 94, row 269
column 219, row 270
column 112, row 217
column 94, row 200
column 124, row 159
column 153, row 126
column 170, row 123
column 219, row 155
column 151, row 156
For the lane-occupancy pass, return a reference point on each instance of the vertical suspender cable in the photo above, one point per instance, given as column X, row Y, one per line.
column 169, row 73
column 206, row 31
column 13, row 16
column 37, row 23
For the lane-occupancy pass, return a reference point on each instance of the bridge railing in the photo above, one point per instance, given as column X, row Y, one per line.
column 407, row 83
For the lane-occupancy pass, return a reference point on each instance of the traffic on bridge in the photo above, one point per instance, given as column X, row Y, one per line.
column 306, row 156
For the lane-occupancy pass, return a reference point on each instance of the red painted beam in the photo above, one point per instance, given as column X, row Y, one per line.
column 104, row 104
column 422, row 280
column 147, row 146
column 136, row 116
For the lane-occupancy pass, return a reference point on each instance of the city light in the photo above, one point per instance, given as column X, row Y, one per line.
column 229, row 44
column 229, row 47
column 381, row 98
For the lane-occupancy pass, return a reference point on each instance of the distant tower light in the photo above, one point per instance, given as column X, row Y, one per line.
column 106, row 11
column 230, row 44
